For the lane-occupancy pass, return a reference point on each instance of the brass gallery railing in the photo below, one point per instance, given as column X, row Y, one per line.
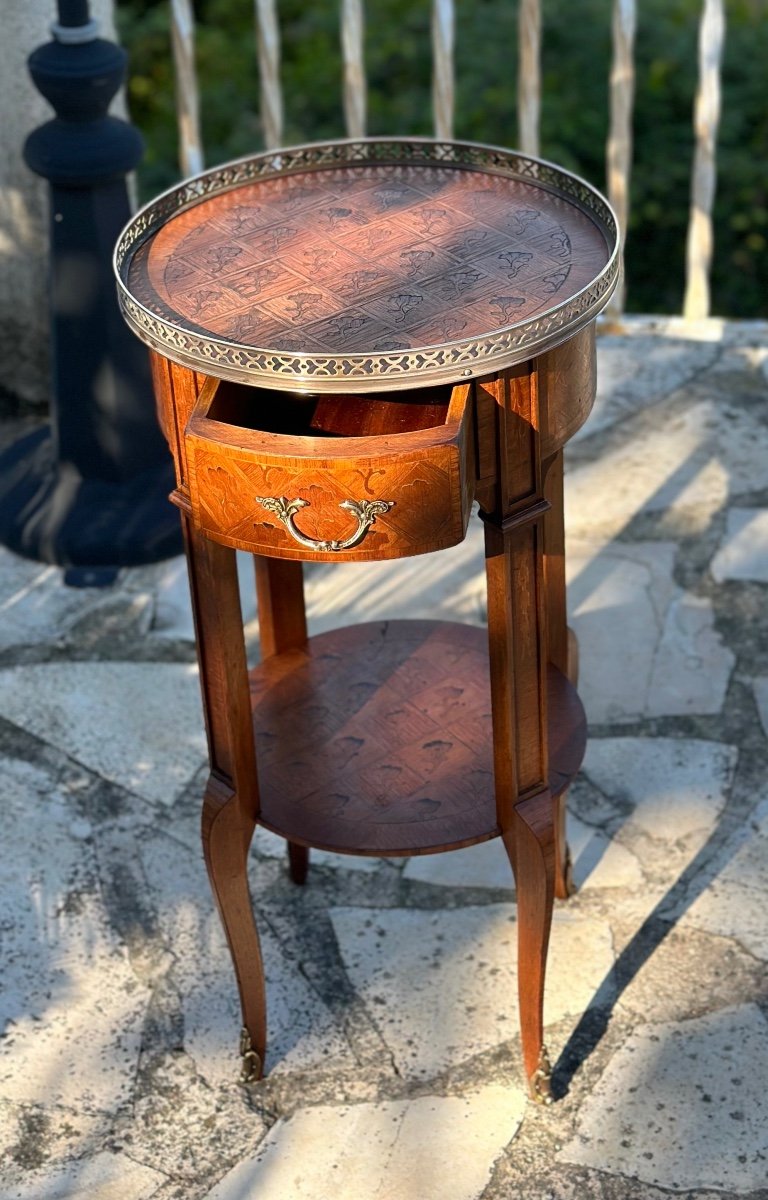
column 706, row 105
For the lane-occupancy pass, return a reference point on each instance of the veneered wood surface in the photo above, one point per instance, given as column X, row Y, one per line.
column 377, row 739
column 176, row 393
column 530, row 844
column 425, row 475
column 523, row 704
column 368, row 258
column 566, row 379
column 280, row 596
column 231, row 798
column 282, row 626
column 515, row 585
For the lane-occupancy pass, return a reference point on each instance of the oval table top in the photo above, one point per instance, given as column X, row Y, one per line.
column 367, row 266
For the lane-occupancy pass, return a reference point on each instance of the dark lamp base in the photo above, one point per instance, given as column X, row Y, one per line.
column 48, row 512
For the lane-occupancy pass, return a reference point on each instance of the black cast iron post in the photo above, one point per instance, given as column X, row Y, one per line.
column 90, row 491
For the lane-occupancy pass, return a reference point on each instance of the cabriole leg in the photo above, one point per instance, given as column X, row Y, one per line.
column 227, row 834
column 530, row 845
column 231, row 803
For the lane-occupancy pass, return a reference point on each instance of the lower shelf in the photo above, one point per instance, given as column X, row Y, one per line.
column 376, row 739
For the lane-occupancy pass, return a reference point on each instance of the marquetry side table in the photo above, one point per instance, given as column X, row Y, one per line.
column 354, row 342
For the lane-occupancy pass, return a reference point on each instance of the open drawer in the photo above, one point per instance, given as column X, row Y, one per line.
column 332, row 477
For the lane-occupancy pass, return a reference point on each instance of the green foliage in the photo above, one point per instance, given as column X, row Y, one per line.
column 574, row 120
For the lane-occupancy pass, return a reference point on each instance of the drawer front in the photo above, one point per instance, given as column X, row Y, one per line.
column 345, row 508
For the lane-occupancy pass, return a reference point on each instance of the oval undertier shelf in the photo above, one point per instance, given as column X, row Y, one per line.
column 376, row 739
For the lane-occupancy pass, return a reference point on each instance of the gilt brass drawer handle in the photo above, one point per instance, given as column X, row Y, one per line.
column 366, row 512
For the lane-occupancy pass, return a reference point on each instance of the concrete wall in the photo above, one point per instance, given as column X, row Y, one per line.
column 24, row 359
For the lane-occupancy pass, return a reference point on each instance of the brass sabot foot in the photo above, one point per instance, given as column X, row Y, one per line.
column 540, row 1083
column 252, row 1065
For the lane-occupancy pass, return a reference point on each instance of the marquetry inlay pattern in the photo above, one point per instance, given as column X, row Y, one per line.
column 386, row 749
column 368, row 269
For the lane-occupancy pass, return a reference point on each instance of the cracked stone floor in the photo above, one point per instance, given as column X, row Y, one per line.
column 394, row 1058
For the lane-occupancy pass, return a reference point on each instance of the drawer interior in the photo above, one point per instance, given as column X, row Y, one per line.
column 347, row 416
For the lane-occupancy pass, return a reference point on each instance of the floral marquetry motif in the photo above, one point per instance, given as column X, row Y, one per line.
column 334, row 254
column 406, row 770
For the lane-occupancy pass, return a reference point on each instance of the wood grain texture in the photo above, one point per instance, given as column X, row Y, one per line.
column 227, row 829
column 231, row 798
column 377, row 739
column 177, row 390
column 559, row 643
column 566, row 381
column 283, row 626
column 424, row 474
column 508, row 401
column 221, row 656
column 515, row 584
column 367, row 259
column 530, row 844
column 554, row 564
column 280, row 596
column 516, row 512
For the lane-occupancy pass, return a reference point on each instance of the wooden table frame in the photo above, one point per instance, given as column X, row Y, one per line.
column 519, row 421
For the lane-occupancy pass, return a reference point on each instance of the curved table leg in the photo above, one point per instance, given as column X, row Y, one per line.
column 563, row 649
column 530, row 844
column 231, row 803
column 227, row 834
column 521, row 569
column 564, row 884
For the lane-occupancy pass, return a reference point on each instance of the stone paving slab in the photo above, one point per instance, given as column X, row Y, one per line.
column 692, row 667
column 36, row 608
column 683, row 1106
column 639, row 370
column 430, row 1148
column 169, row 584
column 71, row 1008
column 442, row 985
column 743, row 553
column 137, row 724
column 734, row 905
column 182, row 1127
column 678, row 971
column 686, row 458
column 103, row 1177
column 674, row 661
column 672, row 790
